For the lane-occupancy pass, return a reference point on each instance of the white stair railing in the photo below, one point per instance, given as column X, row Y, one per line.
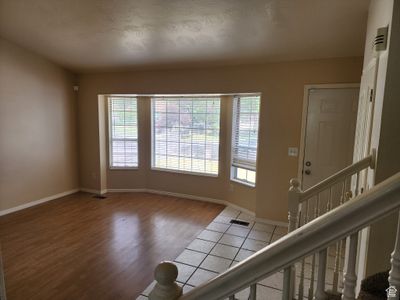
column 312, row 203
column 314, row 237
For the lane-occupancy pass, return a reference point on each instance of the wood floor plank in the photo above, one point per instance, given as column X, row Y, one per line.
column 79, row 247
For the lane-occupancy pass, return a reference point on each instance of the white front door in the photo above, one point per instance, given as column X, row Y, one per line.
column 329, row 136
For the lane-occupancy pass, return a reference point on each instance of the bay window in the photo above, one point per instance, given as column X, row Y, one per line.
column 185, row 134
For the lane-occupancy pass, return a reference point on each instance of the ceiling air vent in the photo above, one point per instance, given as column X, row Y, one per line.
column 380, row 41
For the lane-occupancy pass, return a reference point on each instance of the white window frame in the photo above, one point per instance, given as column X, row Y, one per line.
column 153, row 167
column 233, row 168
column 111, row 139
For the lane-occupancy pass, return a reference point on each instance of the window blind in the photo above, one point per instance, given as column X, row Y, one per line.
column 185, row 134
column 246, row 111
column 123, row 133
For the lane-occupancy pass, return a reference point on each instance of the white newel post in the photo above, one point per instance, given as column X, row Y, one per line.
column 166, row 288
column 293, row 217
column 394, row 274
column 293, row 203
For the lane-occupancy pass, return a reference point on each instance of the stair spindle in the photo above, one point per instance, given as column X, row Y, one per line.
column 322, row 258
column 336, row 268
column 338, row 248
column 303, row 261
column 320, row 290
column 356, row 191
column 350, row 276
column 329, row 203
column 311, row 289
column 253, row 292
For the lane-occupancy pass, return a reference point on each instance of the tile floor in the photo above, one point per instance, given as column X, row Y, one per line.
column 222, row 245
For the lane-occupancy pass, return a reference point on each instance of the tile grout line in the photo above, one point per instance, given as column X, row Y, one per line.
column 216, row 243
column 240, row 248
column 198, row 267
column 272, row 234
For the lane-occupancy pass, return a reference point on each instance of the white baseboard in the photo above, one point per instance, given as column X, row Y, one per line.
column 37, row 202
column 219, row 201
column 272, row 222
column 200, row 198
column 166, row 193
column 92, row 191
column 187, row 196
column 126, row 191
column 152, row 191
column 242, row 209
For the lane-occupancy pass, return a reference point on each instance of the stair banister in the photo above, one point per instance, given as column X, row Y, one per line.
column 342, row 178
column 313, row 237
column 366, row 162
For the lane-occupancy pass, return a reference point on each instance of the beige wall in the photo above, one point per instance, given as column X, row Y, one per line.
column 282, row 87
column 38, row 133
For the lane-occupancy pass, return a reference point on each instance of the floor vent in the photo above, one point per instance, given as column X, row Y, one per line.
column 99, row 197
column 238, row 222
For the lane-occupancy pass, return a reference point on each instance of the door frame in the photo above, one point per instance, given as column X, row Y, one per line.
column 307, row 89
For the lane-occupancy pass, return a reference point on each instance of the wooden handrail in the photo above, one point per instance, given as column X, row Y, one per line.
column 335, row 225
column 366, row 162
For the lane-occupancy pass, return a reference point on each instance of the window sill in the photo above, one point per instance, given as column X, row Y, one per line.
column 250, row 185
column 184, row 172
column 123, row 168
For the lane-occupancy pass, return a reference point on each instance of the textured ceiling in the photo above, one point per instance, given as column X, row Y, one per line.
column 93, row 35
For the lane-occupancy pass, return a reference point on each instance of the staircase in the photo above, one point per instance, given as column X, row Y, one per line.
column 326, row 216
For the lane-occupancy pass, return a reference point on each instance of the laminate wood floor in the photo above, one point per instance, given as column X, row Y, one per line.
column 79, row 247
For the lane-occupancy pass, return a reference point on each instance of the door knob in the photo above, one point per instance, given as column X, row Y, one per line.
column 308, row 172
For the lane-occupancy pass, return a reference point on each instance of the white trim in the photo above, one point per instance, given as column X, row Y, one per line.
column 174, row 95
column 92, row 191
column 242, row 209
column 141, row 190
column 126, row 190
column 187, row 196
column 153, row 167
column 233, row 125
column 37, row 202
column 206, row 199
column 179, row 195
column 158, row 169
column 268, row 221
column 243, row 182
column 111, row 139
column 123, row 168
column 200, row 198
column 307, row 89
